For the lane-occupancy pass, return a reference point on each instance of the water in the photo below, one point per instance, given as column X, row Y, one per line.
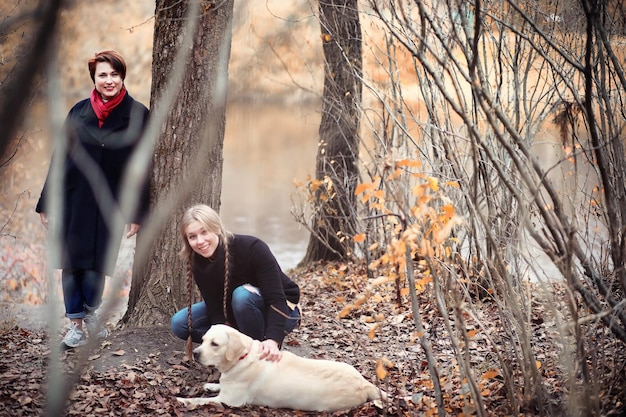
column 266, row 147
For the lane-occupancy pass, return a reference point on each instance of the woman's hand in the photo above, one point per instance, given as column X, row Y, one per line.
column 269, row 350
column 132, row 230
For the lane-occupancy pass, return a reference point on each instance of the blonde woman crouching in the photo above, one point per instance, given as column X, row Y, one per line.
column 240, row 281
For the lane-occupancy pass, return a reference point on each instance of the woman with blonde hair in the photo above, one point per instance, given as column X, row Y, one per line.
column 240, row 282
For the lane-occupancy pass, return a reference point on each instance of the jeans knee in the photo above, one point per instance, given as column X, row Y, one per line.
column 245, row 298
column 178, row 324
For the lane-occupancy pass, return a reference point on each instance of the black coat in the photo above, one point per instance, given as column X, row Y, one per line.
column 84, row 230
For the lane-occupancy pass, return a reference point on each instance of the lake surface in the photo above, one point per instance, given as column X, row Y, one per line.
column 266, row 147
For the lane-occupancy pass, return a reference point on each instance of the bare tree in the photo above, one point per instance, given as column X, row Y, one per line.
column 188, row 156
column 25, row 63
column 190, row 61
column 334, row 215
column 523, row 112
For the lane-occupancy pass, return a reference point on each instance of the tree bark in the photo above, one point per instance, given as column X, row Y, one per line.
column 17, row 87
column 187, row 159
column 334, row 213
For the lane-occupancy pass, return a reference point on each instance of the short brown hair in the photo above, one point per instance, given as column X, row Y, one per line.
column 112, row 57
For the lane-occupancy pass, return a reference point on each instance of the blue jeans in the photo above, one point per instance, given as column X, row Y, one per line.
column 82, row 291
column 248, row 308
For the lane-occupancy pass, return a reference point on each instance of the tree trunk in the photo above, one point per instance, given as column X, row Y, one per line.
column 187, row 159
column 21, row 67
column 334, row 221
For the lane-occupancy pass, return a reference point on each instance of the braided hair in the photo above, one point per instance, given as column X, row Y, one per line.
column 226, row 276
column 211, row 221
column 189, row 276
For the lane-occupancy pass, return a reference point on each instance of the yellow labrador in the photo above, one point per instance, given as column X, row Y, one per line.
column 293, row 382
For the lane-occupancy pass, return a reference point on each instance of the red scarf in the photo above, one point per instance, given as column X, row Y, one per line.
column 103, row 109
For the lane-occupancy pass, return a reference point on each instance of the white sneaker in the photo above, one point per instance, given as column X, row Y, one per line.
column 94, row 328
column 73, row 338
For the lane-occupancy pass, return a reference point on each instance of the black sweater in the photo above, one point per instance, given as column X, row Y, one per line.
column 251, row 262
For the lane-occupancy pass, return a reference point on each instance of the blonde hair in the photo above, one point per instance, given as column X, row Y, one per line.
column 211, row 221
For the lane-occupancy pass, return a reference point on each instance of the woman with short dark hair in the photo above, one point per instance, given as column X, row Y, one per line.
column 102, row 131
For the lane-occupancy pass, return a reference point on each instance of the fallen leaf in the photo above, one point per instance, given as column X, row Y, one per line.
column 490, row 374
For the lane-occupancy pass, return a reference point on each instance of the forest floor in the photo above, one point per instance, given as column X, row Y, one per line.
column 141, row 371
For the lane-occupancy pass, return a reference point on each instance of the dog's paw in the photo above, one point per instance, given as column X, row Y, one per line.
column 184, row 401
column 211, row 387
column 192, row 403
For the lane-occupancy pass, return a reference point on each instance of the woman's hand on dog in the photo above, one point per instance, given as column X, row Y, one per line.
column 269, row 350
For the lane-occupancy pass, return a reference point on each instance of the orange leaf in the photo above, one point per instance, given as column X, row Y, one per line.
column 448, row 210
column 346, row 310
column 428, row 384
column 382, row 365
column 408, row 162
column 490, row 374
column 394, row 174
column 360, row 300
column 361, row 188
column 381, row 371
column 420, row 284
column 372, row 333
column 433, row 183
column 359, row 238
column 402, row 162
column 381, row 280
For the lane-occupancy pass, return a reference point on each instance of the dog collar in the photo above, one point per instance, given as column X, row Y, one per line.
column 242, row 357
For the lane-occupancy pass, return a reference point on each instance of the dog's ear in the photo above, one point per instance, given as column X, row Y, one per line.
column 236, row 346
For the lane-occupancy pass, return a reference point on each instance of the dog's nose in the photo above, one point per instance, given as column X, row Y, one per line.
column 196, row 355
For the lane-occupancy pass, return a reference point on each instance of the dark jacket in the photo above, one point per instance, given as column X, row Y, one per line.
column 251, row 262
column 85, row 233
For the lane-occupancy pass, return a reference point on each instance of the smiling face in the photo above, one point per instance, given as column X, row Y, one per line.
column 108, row 81
column 201, row 241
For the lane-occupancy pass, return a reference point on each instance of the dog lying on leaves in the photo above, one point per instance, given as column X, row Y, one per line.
column 293, row 382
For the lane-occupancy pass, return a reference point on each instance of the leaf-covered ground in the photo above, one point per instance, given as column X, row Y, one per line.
column 140, row 371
